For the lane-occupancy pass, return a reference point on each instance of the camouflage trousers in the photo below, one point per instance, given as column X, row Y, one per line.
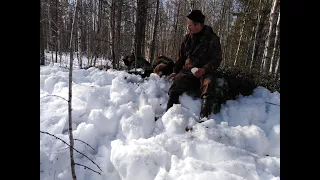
column 186, row 82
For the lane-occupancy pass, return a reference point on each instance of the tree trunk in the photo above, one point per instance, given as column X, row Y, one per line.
column 79, row 14
column 112, row 25
column 50, row 31
column 42, row 57
column 266, row 53
column 59, row 29
column 143, row 32
column 73, row 172
column 140, row 27
column 241, row 33
column 156, row 21
column 227, row 46
column 56, row 33
column 88, row 41
column 134, row 19
column 221, row 20
column 276, row 70
column 107, row 31
column 255, row 34
column 94, row 43
column 248, row 49
column 275, row 44
column 118, row 32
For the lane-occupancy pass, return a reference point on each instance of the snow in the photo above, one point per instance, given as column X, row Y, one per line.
column 114, row 112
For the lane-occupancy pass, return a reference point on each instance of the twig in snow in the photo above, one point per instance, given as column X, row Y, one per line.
column 272, row 103
column 83, row 142
column 86, row 167
column 72, row 148
column 55, row 96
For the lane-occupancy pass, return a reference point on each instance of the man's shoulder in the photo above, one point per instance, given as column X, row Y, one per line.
column 209, row 31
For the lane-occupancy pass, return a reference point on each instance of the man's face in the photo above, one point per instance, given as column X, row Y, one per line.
column 193, row 28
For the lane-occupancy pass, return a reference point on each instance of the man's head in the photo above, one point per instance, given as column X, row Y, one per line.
column 195, row 21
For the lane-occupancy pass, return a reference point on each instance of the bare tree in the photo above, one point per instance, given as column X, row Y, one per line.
column 56, row 29
column 50, row 29
column 248, row 48
column 275, row 44
column 80, row 30
column 140, row 27
column 276, row 70
column 256, row 33
column 153, row 43
column 42, row 57
column 241, row 32
column 113, row 33
column 73, row 172
column 266, row 53
column 118, row 32
column 176, row 22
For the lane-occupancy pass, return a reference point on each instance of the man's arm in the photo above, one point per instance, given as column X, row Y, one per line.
column 216, row 56
column 181, row 59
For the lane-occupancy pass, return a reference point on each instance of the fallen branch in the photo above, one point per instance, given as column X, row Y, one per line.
column 85, row 167
column 83, row 142
column 55, row 96
column 272, row 103
column 72, row 148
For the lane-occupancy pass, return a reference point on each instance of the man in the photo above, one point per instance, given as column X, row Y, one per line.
column 163, row 66
column 201, row 49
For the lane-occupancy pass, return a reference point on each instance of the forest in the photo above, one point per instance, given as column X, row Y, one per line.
column 249, row 31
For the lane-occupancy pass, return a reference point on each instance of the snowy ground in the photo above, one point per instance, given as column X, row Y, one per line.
column 114, row 113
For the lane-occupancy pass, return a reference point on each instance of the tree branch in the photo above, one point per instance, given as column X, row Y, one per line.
column 86, row 167
column 272, row 103
column 72, row 148
column 55, row 96
column 83, row 142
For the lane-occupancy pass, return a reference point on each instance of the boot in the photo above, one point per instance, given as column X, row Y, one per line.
column 206, row 108
column 173, row 99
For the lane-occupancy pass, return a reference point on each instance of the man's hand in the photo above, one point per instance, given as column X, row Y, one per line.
column 172, row 75
column 200, row 72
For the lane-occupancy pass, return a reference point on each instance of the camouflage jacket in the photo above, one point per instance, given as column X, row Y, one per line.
column 204, row 54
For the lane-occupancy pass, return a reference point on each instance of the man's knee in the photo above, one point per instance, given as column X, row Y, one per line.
column 207, row 82
column 207, row 88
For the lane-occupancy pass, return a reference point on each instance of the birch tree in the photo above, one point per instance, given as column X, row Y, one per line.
column 266, row 53
column 241, row 32
column 256, row 33
column 275, row 44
